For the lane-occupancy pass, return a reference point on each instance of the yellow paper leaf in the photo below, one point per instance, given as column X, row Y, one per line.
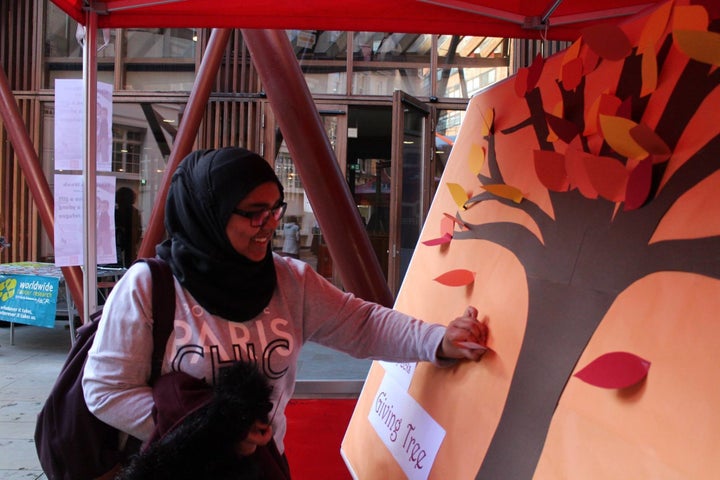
column 477, row 159
column 698, row 45
column 505, row 191
column 488, row 118
column 654, row 28
column 458, row 194
column 616, row 131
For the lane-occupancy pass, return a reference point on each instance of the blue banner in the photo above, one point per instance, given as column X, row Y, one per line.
column 28, row 299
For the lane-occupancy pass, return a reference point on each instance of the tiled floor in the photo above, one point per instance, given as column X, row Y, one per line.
column 29, row 367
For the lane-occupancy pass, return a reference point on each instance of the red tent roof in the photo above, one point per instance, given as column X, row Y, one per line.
column 499, row 18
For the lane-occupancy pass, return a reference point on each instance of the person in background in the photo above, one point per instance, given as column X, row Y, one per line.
column 128, row 229
column 237, row 300
column 291, row 238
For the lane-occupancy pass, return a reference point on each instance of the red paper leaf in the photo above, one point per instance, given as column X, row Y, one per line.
column 608, row 41
column 521, row 79
column 608, row 177
column 534, row 71
column 550, row 169
column 577, row 173
column 650, row 141
column 638, row 185
column 615, row 370
column 456, row 278
column 446, row 237
column 572, row 74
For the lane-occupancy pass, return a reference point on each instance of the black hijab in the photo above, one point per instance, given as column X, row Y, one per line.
column 206, row 187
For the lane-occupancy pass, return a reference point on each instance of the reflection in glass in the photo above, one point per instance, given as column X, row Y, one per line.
column 385, row 62
column 322, row 57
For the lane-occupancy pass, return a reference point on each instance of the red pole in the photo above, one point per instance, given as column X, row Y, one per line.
column 186, row 135
column 39, row 188
column 325, row 185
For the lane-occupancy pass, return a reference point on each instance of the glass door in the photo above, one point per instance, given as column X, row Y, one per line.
column 410, row 160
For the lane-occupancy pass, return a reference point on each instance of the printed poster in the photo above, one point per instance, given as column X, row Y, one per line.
column 28, row 299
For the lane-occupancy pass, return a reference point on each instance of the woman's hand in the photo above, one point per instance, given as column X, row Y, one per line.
column 465, row 337
column 260, row 434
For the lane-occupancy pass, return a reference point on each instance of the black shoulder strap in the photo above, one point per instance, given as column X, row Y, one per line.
column 163, row 310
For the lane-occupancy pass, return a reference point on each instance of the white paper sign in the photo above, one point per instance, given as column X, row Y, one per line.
column 401, row 372
column 69, row 220
column 69, row 125
column 407, row 430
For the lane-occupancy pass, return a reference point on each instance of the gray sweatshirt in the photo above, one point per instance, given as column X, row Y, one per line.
column 304, row 307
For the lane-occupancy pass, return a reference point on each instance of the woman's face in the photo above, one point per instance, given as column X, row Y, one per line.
column 252, row 242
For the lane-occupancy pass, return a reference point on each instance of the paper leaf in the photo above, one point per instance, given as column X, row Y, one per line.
column 572, row 52
column 608, row 177
column 550, row 169
column 445, row 238
column 654, row 28
column 564, row 129
column 447, row 225
column 590, row 61
column 572, row 74
column 488, row 117
column 577, row 173
column 608, row 41
column 476, row 159
column 458, row 194
column 455, row 220
column 505, row 191
column 690, row 17
column 638, row 185
column 701, row 46
column 615, row 370
column 651, row 142
column 456, row 278
column 616, row 131
column 649, row 73
column 534, row 71
column 605, row 104
column 521, row 82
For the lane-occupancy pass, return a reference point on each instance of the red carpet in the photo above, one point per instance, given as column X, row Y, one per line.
column 315, row 430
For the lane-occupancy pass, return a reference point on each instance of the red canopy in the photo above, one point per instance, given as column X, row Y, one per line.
column 498, row 18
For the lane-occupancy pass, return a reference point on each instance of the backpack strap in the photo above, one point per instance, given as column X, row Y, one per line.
column 163, row 310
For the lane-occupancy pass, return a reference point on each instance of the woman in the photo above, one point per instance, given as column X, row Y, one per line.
column 236, row 300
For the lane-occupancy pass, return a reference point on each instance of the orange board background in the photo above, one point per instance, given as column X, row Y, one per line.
column 665, row 427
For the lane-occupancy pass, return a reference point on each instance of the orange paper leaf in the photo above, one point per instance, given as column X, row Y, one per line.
column 505, row 191
column 654, row 28
column 447, row 225
column 649, row 73
column 456, row 278
column 534, row 71
column 615, row 370
column 690, row 17
column 488, row 117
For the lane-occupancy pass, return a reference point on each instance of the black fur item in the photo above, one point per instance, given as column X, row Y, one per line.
column 202, row 445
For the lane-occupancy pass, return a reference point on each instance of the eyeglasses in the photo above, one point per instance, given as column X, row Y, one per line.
column 258, row 218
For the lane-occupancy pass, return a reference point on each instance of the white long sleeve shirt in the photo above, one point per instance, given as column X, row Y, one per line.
column 304, row 307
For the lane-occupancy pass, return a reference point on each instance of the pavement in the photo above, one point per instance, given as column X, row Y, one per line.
column 29, row 366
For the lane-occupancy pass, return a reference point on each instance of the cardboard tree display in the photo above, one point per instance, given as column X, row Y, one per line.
column 579, row 211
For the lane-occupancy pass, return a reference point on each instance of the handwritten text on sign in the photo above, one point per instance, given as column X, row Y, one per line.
column 408, row 431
